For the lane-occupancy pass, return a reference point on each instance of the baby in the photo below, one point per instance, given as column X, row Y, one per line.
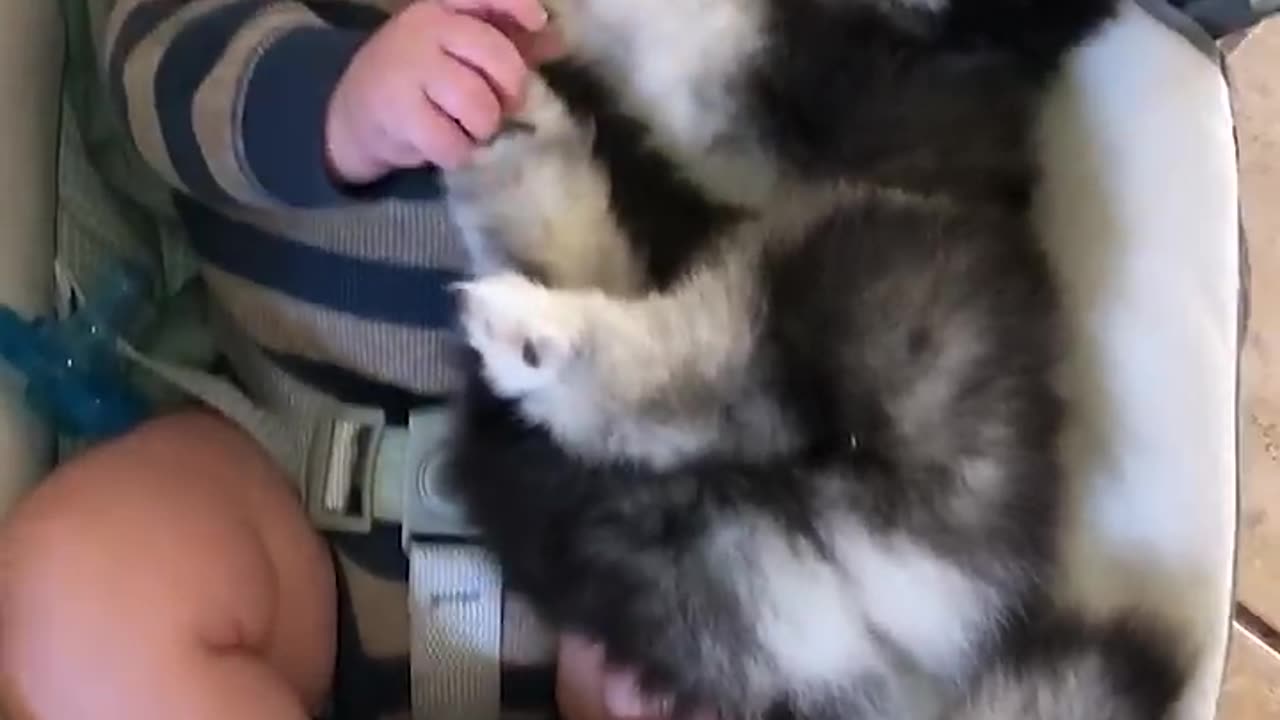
column 172, row 573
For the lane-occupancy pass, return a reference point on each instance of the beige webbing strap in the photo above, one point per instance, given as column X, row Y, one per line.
column 286, row 444
column 455, row 615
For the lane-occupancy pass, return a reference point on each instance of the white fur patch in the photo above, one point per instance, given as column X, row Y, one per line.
column 929, row 607
column 805, row 614
column 682, row 51
column 675, row 62
column 523, row 332
column 809, row 618
column 822, row 623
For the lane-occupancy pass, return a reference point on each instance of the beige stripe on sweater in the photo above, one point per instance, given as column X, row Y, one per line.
column 409, row 233
column 416, row 359
column 139, row 81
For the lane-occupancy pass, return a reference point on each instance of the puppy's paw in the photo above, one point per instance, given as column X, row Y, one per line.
column 541, row 132
column 542, row 123
column 525, row 333
column 544, row 113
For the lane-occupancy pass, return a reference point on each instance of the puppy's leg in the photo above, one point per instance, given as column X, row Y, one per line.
column 657, row 379
column 537, row 201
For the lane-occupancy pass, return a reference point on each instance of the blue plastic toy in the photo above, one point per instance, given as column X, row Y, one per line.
column 73, row 371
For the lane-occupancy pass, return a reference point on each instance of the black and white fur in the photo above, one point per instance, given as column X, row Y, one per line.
column 790, row 451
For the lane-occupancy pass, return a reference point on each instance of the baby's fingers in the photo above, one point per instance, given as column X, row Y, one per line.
column 540, row 47
column 463, row 95
column 588, row 689
column 435, row 138
column 486, row 49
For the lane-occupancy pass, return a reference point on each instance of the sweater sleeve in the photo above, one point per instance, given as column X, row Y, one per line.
column 227, row 98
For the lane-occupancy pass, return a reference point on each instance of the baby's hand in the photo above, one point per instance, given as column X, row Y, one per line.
column 427, row 86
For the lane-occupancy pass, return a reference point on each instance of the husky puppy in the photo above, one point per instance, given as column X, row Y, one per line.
column 789, row 449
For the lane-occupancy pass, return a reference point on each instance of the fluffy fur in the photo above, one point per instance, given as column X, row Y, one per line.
column 767, row 407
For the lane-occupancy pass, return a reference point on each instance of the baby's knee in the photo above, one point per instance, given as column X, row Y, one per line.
column 131, row 560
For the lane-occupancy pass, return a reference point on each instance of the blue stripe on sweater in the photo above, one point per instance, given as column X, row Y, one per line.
column 348, row 14
column 369, row 289
column 188, row 60
column 286, row 103
column 141, row 21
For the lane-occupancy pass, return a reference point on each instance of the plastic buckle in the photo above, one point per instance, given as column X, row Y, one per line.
column 429, row 510
column 338, row 471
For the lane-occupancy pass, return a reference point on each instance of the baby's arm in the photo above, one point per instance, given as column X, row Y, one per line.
column 228, row 100
column 269, row 103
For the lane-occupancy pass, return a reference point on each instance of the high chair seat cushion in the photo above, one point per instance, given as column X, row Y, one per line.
column 1141, row 214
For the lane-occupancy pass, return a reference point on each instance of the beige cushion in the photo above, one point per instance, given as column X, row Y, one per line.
column 31, row 51
column 1140, row 208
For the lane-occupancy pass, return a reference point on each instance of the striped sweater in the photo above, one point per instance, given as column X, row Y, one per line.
column 342, row 288
column 226, row 99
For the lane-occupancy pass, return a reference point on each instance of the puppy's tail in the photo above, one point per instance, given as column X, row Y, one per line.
column 1126, row 669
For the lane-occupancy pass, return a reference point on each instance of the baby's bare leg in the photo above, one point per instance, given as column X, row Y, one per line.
column 169, row 574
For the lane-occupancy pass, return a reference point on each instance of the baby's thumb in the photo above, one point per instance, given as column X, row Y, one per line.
column 540, row 47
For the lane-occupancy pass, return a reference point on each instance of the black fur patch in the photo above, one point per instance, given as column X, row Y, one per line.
column 661, row 209
column 1141, row 664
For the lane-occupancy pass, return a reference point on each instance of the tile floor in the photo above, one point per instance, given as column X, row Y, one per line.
column 1252, row 690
